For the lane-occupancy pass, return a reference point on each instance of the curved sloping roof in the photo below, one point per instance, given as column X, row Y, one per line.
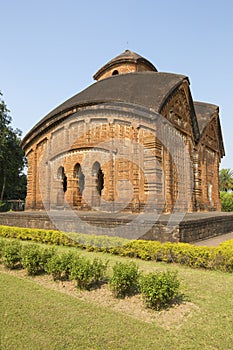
column 205, row 112
column 126, row 57
column 147, row 89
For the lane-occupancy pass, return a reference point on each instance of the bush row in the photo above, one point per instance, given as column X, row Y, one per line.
column 218, row 258
column 158, row 289
column 71, row 239
column 37, row 259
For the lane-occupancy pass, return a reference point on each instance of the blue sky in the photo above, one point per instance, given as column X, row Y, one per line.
column 51, row 49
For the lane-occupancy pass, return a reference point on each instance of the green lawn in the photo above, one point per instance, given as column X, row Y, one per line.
column 35, row 317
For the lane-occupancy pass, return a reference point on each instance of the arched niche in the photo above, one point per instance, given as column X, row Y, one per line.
column 78, row 174
column 79, row 186
column 98, row 183
column 62, row 185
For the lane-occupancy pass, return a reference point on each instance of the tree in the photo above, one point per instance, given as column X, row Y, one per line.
column 12, row 160
column 226, row 201
column 226, row 179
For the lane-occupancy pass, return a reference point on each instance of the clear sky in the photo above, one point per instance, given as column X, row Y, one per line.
column 50, row 50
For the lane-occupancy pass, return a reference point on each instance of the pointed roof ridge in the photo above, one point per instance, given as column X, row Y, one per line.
column 131, row 55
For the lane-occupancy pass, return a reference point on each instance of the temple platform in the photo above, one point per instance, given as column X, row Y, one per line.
column 190, row 228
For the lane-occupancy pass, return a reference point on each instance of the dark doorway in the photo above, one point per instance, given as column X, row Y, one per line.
column 62, row 185
column 97, row 184
column 99, row 177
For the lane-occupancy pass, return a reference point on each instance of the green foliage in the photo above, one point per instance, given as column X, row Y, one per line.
column 2, row 243
column 87, row 274
column 53, row 320
column 18, row 189
column 125, row 279
column 159, row 289
column 224, row 256
column 193, row 256
column 37, row 235
column 226, row 201
column 226, row 179
column 183, row 253
column 71, row 239
column 34, row 258
column 12, row 160
column 97, row 243
column 11, row 253
column 145, row 250
column 4, row 206
column 58, row 265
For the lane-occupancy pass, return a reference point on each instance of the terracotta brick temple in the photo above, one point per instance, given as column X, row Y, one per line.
column 133, row 141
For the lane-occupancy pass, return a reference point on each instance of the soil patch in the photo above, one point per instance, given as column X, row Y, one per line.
column 134, row 307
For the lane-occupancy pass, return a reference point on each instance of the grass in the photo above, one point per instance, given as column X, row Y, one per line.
column 34, row 316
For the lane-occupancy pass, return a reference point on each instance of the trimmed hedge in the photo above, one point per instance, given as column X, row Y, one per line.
column 70, row 239
column 218, row 258
column 37, row 235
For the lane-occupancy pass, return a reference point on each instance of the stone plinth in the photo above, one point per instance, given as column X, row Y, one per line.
column 194, row 226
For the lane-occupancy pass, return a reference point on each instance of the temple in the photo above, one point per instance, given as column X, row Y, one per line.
column 133, row 141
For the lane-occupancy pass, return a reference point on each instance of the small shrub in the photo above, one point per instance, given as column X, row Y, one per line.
column 59, row 266
column 11, row 254
column 99, row 270
column 159, row 289
column 86, row 273
column 34, row 258
column 125, row 279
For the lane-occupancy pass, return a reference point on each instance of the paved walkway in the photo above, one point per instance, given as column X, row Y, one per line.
column 215, row 241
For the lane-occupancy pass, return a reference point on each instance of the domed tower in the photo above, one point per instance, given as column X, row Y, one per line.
column 127, row 62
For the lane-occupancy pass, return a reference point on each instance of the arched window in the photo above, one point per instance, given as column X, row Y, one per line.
column 78, row 174
column 115, row 72
column 62, row 176
column 99, row 175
